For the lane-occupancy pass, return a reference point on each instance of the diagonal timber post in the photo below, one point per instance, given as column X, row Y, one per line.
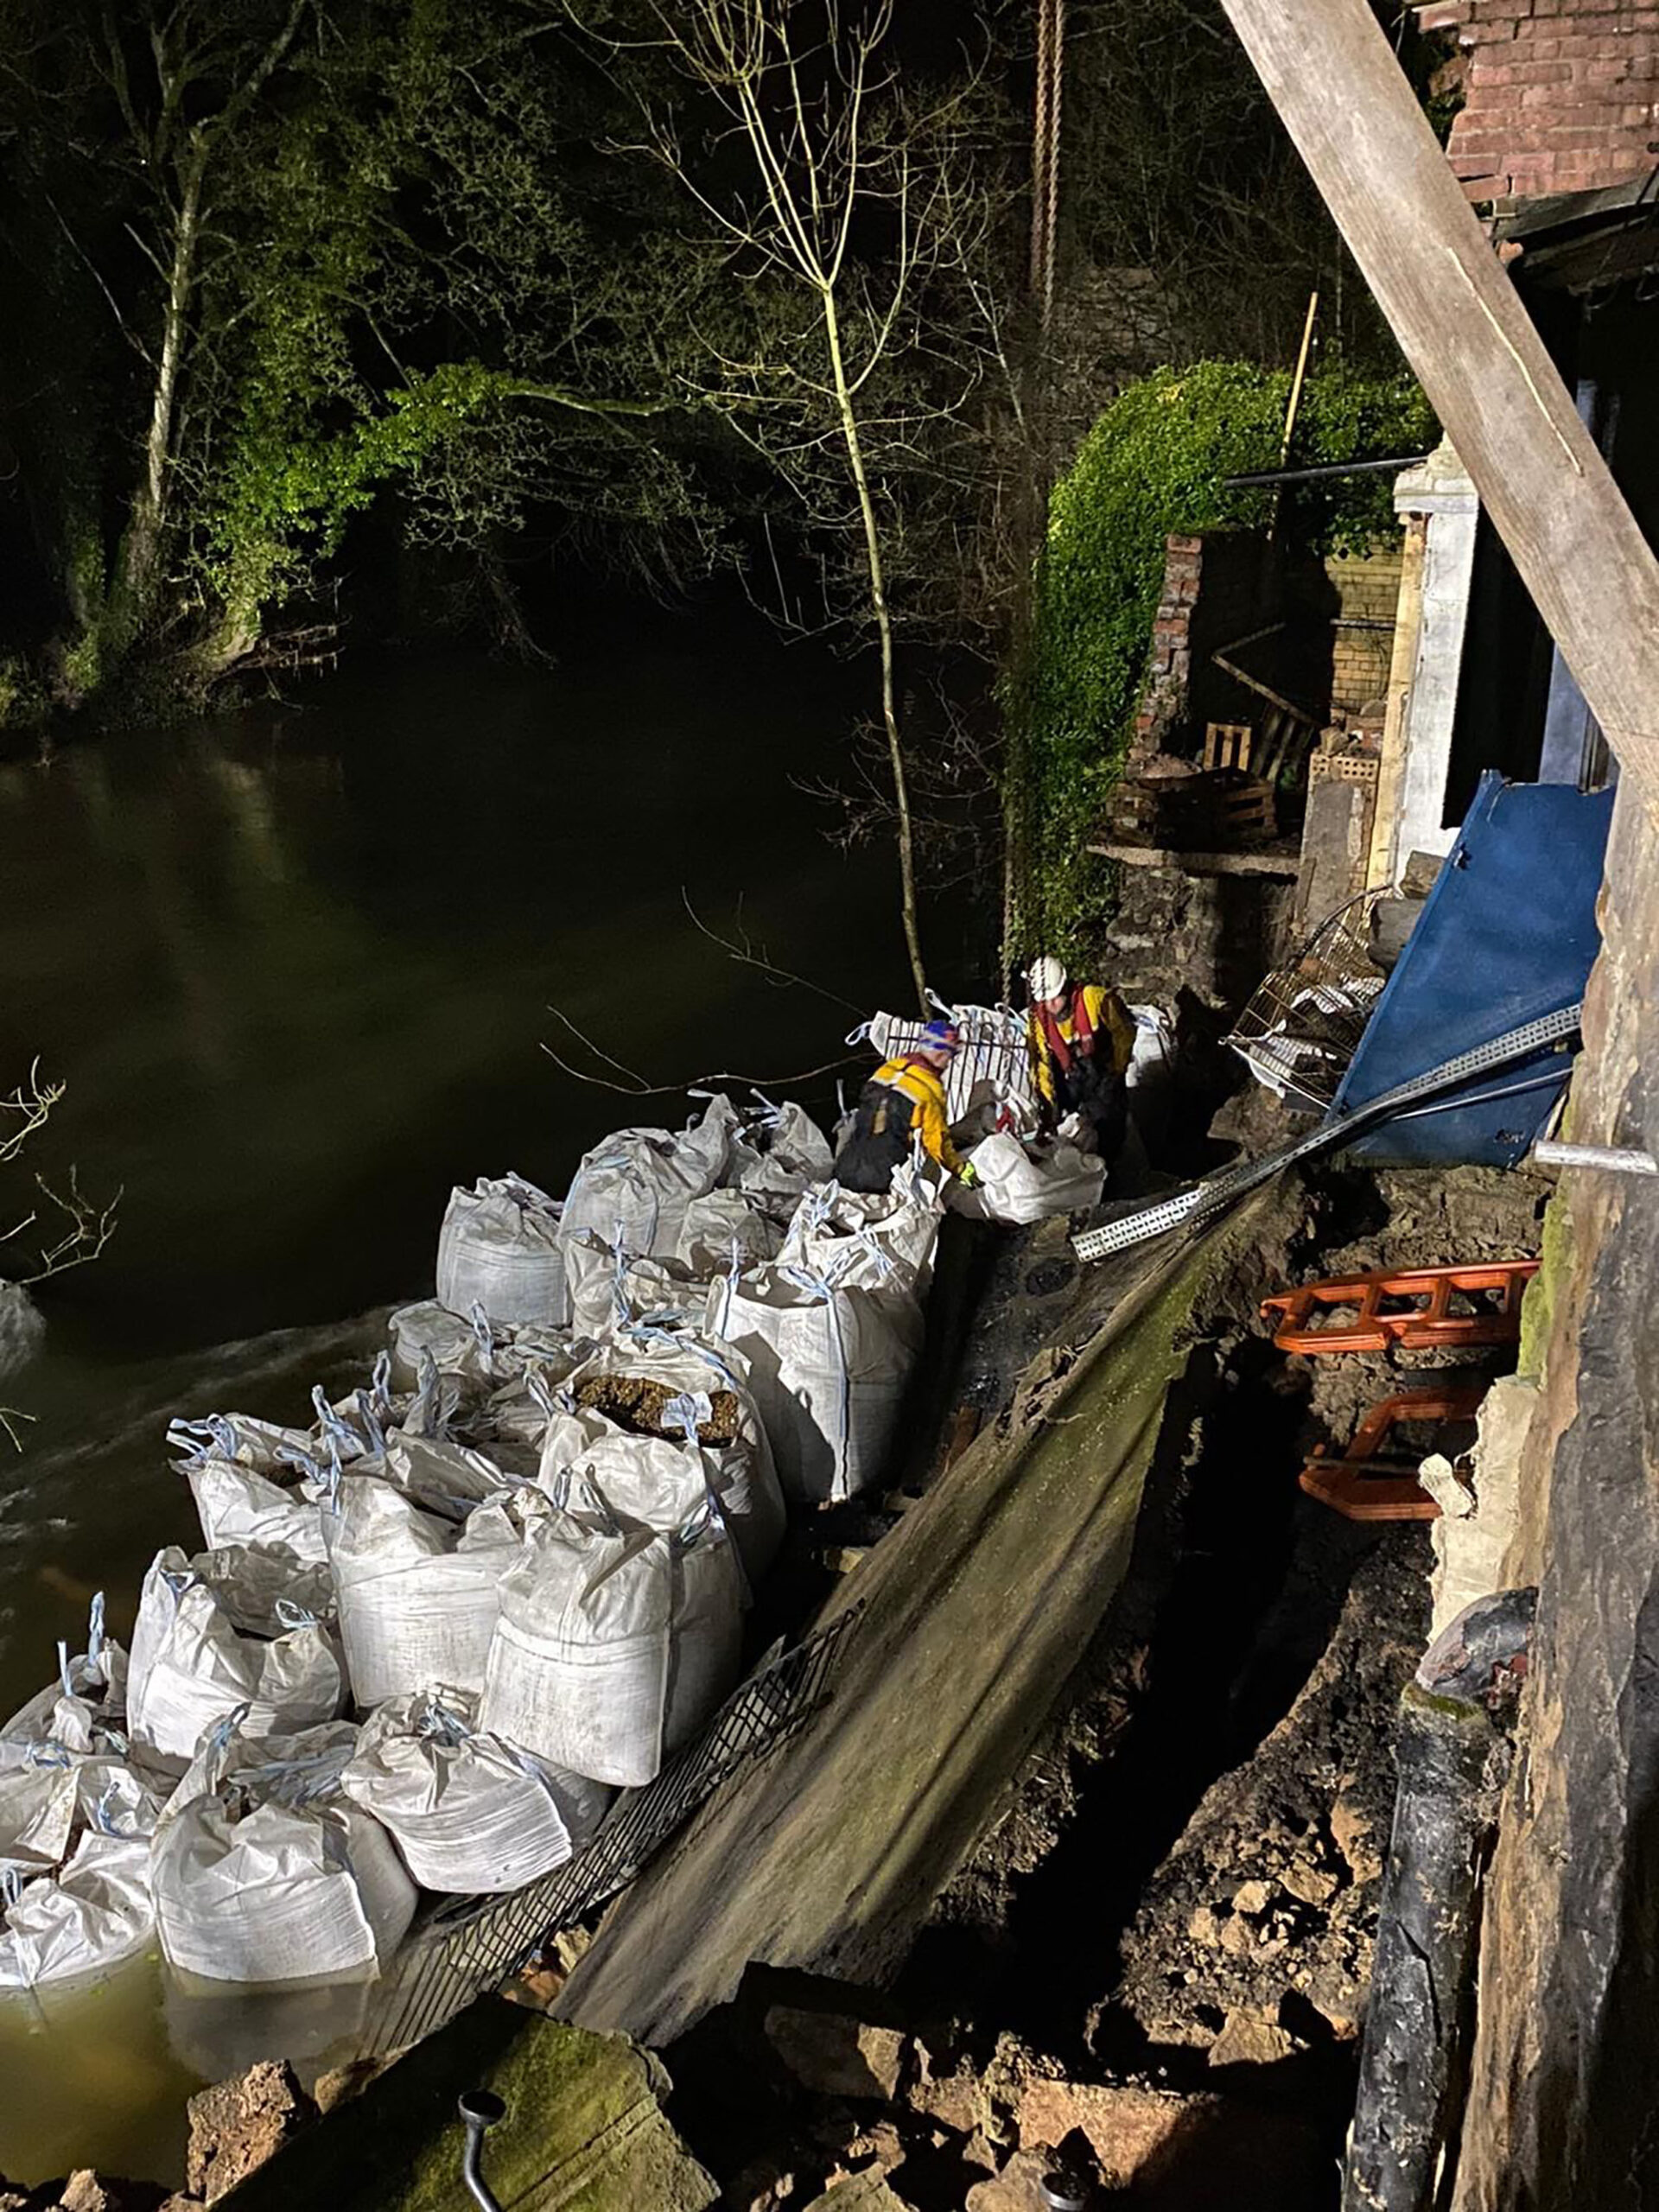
column 1331, row 74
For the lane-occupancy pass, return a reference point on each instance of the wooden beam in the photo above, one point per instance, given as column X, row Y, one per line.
column 1330, row 72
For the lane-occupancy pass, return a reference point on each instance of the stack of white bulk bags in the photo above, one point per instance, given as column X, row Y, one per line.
column 471, row 1815
column 498, row 1249
column 231, row 1627
column 416, row 1592
column 616, row 1641
column 263, row 1871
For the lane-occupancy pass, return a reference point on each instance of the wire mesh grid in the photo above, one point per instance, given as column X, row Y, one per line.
column 992, row 1051
column 473, row 1946
column 1305, row 1020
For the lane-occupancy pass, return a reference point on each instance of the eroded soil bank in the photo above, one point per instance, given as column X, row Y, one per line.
column 1154, row 1959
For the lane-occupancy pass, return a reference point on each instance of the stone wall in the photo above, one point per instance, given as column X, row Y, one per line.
column 1213, row 935
column 1561, row 95
column 1560, row 2102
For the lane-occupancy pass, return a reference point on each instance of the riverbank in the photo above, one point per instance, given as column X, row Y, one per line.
column 1121, row 1877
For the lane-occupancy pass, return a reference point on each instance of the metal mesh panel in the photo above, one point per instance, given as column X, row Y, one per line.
column 1206, row 1201
column 993, row 1049
column 470, row 1946
column 1305, row 1020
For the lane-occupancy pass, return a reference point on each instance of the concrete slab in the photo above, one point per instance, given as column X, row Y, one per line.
column 827, row 1854
column 584, row 2129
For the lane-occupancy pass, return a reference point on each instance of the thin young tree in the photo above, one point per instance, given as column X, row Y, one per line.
column 845, row 206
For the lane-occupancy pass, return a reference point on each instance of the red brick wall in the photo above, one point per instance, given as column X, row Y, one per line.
column 1170, row 671
column 1562, row 95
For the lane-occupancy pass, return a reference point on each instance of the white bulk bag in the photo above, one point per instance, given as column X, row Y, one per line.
column 614, row 1644
column 262, row 1444
column 88, row 1698
column 632, row 1190
column 829, row 1368
column 554, row 1351
column 1017, row 1185
column 648, row 1478
column 740, row 1473
column 439, row 1473
column 714, row 1225
column 91, row 1915
column 463, row 1349
column 863, row 1240
column 471, row 1815
column 498, row 1249
column 517, row 1413
column 237, row 1505
column 781, row 1156
column 1153, row 1060
column 51, row 1796
column 231, row 1627
column 38, row 1801
column 417, row 1593
column 263, row 1871
column 609, row 1287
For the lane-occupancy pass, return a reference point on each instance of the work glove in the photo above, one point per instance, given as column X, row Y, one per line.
column 967, row 1175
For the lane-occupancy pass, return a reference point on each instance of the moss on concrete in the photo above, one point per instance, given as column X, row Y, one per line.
column 1556, row 1266
column 583, row 2133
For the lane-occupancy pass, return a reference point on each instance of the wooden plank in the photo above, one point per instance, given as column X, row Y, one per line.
column 1330, row 72
column 1280, row 864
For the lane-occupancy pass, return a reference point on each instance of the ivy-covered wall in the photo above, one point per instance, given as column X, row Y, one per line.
column 1152, row 464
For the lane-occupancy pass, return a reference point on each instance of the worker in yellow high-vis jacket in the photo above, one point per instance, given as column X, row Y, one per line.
column 1081, row 1040
column 902, row 1102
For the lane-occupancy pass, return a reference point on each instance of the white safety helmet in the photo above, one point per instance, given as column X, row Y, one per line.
column 1047, row 978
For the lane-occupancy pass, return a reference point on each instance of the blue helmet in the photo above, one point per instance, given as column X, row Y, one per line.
column 940, row 1037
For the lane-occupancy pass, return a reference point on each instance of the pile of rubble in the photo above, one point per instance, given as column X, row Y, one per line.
column 848, row 2105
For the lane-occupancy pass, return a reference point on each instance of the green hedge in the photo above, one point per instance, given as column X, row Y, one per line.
column 1154, row 463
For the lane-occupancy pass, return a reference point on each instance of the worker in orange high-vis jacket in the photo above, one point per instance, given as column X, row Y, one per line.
column 903, row 1103
column 1081, row 1040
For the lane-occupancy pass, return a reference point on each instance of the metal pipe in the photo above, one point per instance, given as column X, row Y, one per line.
column 1325, row 468
column 1614, row 1159
column 1452, row 1753
column 479, row 2110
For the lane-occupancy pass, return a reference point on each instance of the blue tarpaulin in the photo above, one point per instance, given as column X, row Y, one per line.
column 1507, row 934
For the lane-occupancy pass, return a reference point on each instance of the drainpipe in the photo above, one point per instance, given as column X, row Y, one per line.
column 1454, row 1750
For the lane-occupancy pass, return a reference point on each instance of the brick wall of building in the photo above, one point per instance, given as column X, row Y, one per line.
column 1163, row 703
column 1561, row 95
column 1335, row 651
column 1367, row 589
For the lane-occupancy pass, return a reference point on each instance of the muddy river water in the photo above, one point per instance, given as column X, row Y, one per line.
column 294, row 965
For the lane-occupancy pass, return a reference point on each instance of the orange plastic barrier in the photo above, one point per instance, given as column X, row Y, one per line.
column 1412, row 1307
